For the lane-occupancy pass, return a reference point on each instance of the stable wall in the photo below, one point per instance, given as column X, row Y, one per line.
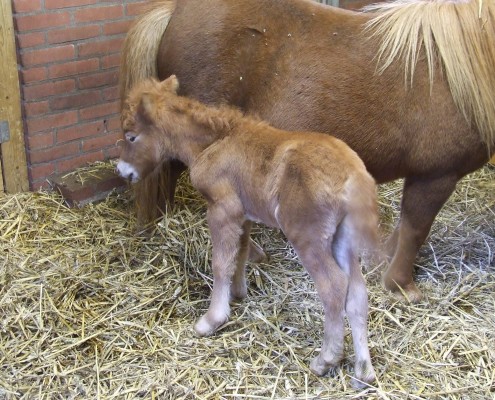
column 68, row 56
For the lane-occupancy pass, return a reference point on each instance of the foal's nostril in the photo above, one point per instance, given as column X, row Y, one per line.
column 129, row 178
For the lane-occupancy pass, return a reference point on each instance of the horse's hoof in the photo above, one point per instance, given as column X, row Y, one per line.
column 408, row 292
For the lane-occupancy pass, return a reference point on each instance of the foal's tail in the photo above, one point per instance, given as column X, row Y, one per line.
column 362, row 213
column 138, row 62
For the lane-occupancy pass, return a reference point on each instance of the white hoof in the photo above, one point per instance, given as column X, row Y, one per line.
column 204, row 327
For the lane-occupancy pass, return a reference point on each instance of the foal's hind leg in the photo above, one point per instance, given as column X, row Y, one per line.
column 238, row 288
column 331, row 284
column 421, row 201
column 225, row 220
column 356, row 306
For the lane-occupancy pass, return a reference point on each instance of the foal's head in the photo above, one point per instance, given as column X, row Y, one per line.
column 146, row 125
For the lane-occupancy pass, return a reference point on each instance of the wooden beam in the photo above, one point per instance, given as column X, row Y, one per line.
column 13, row 151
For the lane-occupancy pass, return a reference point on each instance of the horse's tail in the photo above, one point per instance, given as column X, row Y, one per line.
column 362, row 214
column 140, row 48
column 139, row 61
column 458, row 34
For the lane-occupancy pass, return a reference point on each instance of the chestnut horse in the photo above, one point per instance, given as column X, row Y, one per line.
column 409, row 85
column 310, row 185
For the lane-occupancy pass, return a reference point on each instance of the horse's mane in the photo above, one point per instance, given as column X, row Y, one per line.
column 459, row 35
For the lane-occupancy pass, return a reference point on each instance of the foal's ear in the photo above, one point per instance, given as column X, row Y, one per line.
column 145, row 110
column 171, row 84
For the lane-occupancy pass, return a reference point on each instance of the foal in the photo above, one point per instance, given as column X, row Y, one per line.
column 312, row 186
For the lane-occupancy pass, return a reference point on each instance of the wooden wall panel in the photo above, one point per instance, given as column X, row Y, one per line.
column 13, row 151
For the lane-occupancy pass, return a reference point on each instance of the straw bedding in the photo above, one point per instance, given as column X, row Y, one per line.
column 90, row 309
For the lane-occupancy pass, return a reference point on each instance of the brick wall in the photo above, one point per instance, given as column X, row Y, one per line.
column 68, row 54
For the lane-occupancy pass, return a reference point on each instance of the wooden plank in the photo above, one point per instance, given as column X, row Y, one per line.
column 13, row 152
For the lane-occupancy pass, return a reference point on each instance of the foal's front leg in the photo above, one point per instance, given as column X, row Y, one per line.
column 225, row 220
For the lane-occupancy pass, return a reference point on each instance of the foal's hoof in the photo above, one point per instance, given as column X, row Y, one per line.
column 408, row 292
column 205, row 327
column 319, row 367
column 365, row 375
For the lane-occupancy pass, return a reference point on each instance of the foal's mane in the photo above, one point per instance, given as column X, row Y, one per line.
column 219, row 119
column 457, row 34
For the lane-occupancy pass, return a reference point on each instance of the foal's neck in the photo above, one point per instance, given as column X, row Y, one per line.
column 201, row 126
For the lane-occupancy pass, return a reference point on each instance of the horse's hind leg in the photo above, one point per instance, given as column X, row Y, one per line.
column 422, row 200
column 356, row 306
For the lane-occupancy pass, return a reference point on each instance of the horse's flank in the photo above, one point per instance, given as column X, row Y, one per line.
column 408, row 27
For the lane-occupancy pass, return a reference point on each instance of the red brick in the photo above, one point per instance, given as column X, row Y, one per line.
column 100, row 142
column 101, row 47
column 41, row 21
column 87, row 187
column 40, row 184
column 72, row 34
column 73, row 68
column 24, row 6
column 113, row 123
column 111, row 93
column 34, row 74
column 54, row 153
column 107, row 78
column 27, row 40
column 102, row 13
column 113, row 152
column 78, row 100
column 54, row 4
column 109, row 184
column 35, row 108
column 41, row 170
column 110, row 61
column 80, row 131
column 101, row 110
column 45, row 56
column 51, row 121
column 72, row 163
column 42, row 141
column 136, row 8
column 72, row 190
column 43, row 90
column 115, row 28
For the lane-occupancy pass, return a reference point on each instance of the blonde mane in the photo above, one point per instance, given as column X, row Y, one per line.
column 458, row 35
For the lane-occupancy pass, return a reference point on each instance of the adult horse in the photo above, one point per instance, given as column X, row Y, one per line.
column 409, row 86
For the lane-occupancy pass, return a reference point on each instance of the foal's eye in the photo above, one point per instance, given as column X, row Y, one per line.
column 131, row 137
